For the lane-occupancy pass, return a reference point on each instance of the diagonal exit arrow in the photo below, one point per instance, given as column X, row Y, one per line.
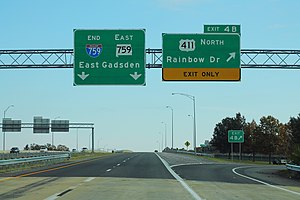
column 83, row 75
column 231, row 56
column 135, row 76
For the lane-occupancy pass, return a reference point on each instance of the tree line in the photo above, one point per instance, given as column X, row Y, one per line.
column 48, row 146
column 269, row 136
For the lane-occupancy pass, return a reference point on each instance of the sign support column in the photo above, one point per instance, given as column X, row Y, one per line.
column 236, row 136
column 231, row 151
column 93, row 147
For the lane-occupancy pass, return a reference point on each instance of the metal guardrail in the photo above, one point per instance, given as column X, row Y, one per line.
column 246, row 157
column 189, row 152
column 293, row 167
column 33, row 159
column 27, row 154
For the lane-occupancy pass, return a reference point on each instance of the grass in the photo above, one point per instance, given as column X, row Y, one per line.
column 289, row 174
column 87, row 155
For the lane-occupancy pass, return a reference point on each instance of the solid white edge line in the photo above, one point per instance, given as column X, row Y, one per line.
column 264, row 183
column 179, row 179
column 89, row 179
column 187, row 164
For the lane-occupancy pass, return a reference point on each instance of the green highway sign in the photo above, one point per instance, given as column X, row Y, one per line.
column 235, row 136
column 10, row 125
column 222, row 29
column 109, row 57
column 201, row 57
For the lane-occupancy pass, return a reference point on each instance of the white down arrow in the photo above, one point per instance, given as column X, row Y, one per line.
column 83, row 75
column 135, row 76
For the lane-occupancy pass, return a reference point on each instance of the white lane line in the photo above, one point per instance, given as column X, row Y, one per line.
column 53, row 197
column 58, row 195
column 256, row 180
column 179, row 179
column 74, row 187
column 108, row 170
column 89, row 179
column 187, row 164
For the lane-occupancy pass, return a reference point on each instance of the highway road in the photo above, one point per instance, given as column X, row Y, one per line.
column 150, row 176
column 133, row 165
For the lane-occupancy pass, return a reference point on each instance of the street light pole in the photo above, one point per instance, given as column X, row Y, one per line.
column 4, row 131
column 172, row 125
column 194, row 105
column 192, row 121
column 165, row 133
column 195, row 140
column 77, row 141
column 158, row 145
column 162, row 140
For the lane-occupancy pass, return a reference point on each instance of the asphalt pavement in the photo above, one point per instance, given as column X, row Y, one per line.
column 150, row 176
column 131, row 165
column 208, row 172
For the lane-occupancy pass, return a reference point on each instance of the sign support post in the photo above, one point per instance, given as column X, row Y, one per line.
column 93, row 145
column 240, row 151
column 231, row 151
column 236, row 136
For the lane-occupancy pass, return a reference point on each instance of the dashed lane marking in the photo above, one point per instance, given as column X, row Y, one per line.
column 89, row 179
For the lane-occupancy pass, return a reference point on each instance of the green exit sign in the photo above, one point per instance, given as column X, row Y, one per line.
column 235, row 136
column 196, row 57
column 109, row 57
column 222, row 29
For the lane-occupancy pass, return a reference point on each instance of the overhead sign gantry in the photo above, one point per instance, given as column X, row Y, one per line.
column 42, row 125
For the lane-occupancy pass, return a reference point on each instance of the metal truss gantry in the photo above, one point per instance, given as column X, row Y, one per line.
column 63, row 58
column 71, row 126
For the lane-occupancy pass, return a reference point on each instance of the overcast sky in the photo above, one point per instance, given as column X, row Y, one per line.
column 130, row 117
